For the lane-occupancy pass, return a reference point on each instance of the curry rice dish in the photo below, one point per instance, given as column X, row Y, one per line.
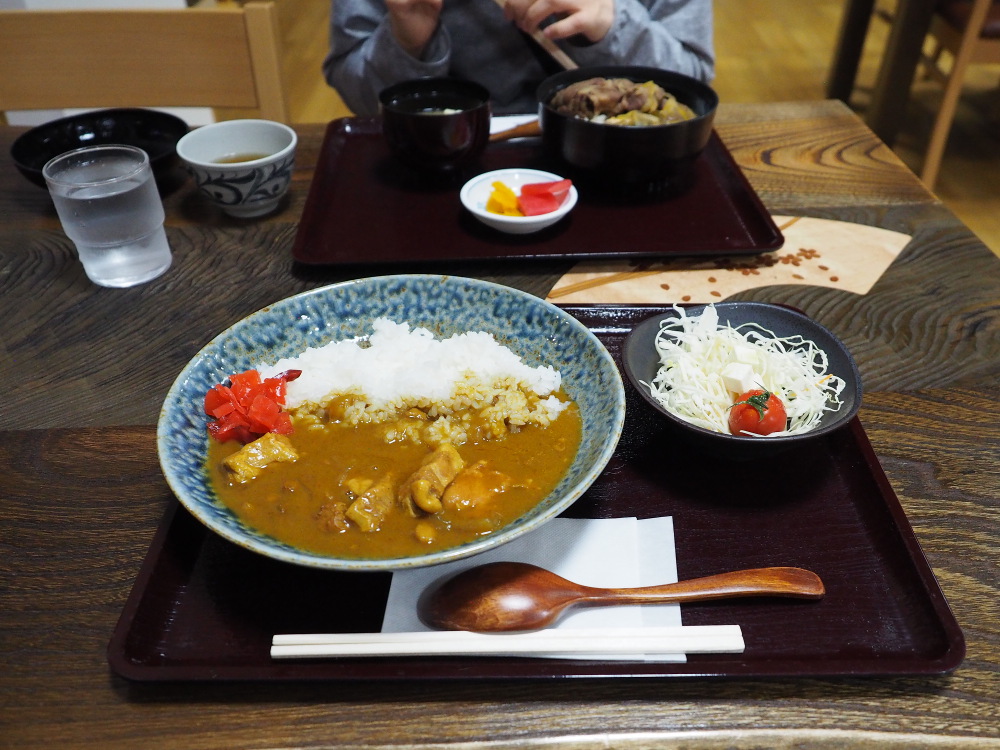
column 402, row 444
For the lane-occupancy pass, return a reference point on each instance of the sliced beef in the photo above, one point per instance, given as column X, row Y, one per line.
column 606, row 96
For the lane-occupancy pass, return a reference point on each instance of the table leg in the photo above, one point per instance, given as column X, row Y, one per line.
column 899, row 65
column 850, row 43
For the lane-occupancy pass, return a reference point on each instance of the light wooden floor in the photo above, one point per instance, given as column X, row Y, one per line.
column 767, row 50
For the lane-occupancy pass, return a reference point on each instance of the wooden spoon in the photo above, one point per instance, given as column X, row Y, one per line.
column 516, row 596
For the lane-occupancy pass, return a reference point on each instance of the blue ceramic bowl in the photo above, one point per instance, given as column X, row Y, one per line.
column 536, row 330
column 216, row 156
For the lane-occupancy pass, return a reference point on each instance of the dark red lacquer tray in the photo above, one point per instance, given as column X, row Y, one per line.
column 364, row 207
column 205, row 609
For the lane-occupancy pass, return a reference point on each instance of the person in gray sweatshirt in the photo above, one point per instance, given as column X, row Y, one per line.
column 375, row 43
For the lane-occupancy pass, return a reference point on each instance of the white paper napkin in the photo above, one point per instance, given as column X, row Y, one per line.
column 613, row 552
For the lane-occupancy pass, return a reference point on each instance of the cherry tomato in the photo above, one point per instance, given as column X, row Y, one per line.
column 757, row 411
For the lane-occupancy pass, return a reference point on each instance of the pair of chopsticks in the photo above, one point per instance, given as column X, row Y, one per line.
column 524, row 130
column 565, row 642
column 555, row 52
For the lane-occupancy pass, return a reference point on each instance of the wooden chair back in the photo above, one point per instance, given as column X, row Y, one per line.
column 969, row 31
column 225, row 55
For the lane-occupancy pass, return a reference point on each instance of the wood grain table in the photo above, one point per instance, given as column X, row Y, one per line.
column 83, row 371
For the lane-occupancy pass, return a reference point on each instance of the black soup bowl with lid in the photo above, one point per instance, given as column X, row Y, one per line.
column 627, row 161
column 436, row 125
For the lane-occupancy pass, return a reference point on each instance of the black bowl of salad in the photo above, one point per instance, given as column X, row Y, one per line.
column 745, row 378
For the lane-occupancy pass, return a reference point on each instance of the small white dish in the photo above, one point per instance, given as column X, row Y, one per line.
column 477, row 191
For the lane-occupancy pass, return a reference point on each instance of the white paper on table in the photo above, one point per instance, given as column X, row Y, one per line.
column 500, row 123
column 607, row 552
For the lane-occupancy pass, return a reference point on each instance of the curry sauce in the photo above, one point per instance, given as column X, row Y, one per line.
column 353, row 491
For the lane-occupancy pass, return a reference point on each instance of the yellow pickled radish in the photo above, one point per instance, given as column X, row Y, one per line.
column 503, row 201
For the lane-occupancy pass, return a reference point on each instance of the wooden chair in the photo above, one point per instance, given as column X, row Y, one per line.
column 224, row 55
column 969, row 31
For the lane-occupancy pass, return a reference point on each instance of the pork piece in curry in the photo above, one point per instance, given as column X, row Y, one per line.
column 361, row 491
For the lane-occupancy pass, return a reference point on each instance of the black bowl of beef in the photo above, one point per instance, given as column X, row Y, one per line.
column 625, row 161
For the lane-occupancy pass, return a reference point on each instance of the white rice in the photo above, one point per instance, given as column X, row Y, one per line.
column 397, row 369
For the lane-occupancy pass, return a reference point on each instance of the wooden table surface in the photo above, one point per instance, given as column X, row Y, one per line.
column 83, row 371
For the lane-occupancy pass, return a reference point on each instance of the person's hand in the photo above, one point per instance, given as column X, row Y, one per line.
column 413, row 22
column 591, row 18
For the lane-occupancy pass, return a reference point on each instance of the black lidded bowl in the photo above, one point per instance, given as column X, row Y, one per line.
column 655, row 160
column 641, row 363
column 420, row 135
column 153, row 131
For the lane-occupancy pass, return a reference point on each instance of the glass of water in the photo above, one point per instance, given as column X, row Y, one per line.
column 109, row 206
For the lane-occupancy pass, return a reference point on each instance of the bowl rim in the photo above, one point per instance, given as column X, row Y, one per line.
column 641, row 330
column 21, row 142
column 144, row 162
column 465, row 195
column 206, row 131
column 415, row 87
column 310, row 559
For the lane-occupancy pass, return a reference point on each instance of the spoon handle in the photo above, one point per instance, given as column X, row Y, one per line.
column 794, row 582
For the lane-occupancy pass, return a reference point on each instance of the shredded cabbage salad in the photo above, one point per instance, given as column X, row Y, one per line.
column 695, row 352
